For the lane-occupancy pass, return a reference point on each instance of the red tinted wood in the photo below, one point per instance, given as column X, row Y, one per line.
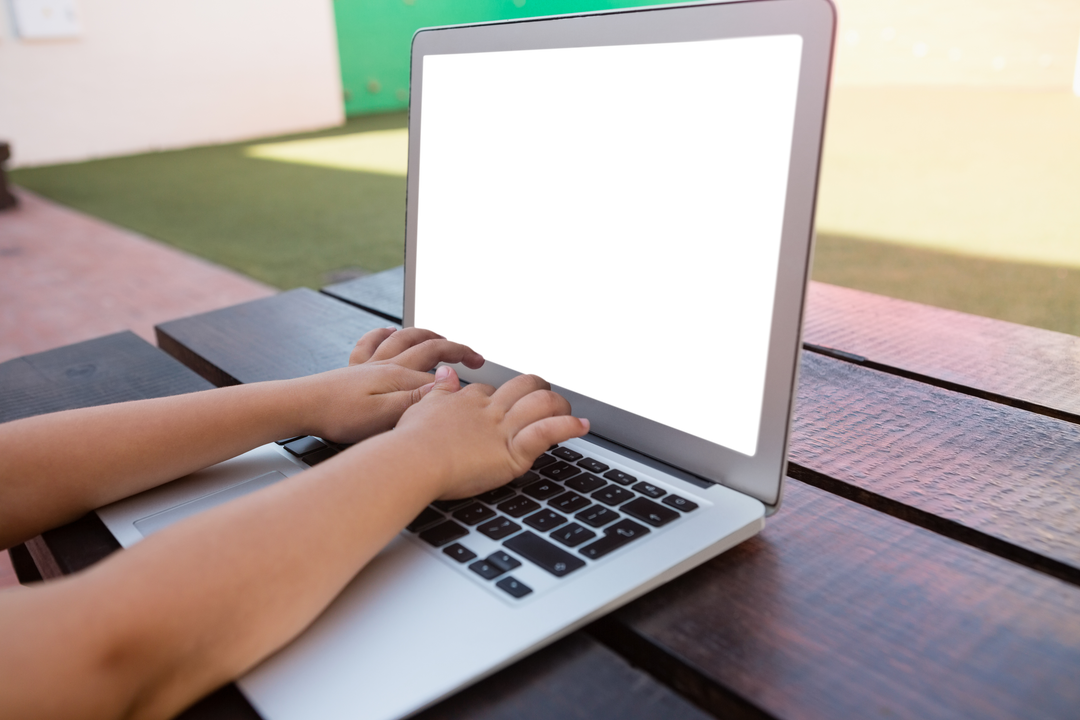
column 838, row 611
column 288, row 335
column 1003, row 472
column 1029, row 364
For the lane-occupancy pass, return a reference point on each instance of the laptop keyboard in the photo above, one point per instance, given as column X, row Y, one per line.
column 567, row 510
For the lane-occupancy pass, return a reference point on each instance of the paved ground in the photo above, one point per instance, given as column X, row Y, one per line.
column 66, row 277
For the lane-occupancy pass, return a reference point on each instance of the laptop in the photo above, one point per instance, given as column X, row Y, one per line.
column 622, row 203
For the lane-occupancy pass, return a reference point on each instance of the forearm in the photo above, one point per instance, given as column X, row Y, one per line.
column 83, row 459
column 205, row 600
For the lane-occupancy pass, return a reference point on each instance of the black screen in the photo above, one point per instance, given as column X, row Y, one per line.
column 609, row 218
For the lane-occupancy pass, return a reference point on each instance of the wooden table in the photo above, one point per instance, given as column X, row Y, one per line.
column 925, row 564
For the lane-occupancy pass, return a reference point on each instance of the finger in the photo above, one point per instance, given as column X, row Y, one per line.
column 422, row 348
column 542, row 434
column 404, row 339
column 368, row 344
column 535, row 406
column 430, row 353
column 446, row 382
column 513, row 390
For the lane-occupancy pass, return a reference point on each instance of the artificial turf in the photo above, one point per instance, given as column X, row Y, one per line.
column 285, row 224
column 293, row 225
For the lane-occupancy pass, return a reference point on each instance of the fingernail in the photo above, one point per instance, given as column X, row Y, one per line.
column 391, row 328
column 584, row 423
column 442, row 373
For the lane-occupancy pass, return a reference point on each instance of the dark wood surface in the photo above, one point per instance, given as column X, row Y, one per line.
column 838, row 611
column 380, row 293
column 1036, row 369
column 283, row 336
column 106, row 370
column 847, row 607
column 926, row 568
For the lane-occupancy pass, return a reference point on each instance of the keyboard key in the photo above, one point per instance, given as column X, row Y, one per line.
column 424, row 520
column 304, row 445
column 647, row 511
column 680, row 503
column 620, row 477
column 569, row 502
column 545, row 520
column 448, row 505
column 499, row 528
column 503, row 561
column 597, row 516
column 486, row 570
column 313, row 459
column 459, row 552
column 517, row 506
column 592, row 465
column 522, row 481
column 286, row 441
column 615, row 537
column 443, row 533
column 495, row 496
column 572, row 535
column 543, row 489
column 566, row 454
column 514, row 587
column 560, row 471
column 537, row 550
column 612, row 495
column 649, row 489
column 474, row 513
column 542, row 461
column 585, row 483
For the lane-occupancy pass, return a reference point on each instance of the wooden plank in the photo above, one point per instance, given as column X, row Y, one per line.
column 381, row 293
column 838, row 611
column 573, row 679
column 1000, row 478
column 288, row 335
column 105, row 370
column 998, row 359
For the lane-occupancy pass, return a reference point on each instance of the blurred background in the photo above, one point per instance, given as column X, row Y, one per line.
column 269, row 136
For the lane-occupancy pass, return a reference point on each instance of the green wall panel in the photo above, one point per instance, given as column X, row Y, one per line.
column 374, row 37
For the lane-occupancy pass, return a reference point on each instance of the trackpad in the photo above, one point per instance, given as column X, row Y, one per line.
column 152, row 523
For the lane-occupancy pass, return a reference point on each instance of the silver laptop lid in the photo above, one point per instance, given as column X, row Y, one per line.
column 623, row 203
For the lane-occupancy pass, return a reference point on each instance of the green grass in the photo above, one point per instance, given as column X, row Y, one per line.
column 1038, row 295
column 284, row 224
column 293, row 225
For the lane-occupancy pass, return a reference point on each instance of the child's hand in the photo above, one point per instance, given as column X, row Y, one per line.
column 482, row 437
column 386, row 370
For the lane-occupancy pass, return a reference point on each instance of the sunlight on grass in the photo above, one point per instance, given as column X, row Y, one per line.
column 383, row 152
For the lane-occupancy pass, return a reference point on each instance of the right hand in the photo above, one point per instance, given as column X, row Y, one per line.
column 482, row 437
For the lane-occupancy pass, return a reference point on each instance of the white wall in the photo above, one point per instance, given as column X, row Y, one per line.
column 156, row 74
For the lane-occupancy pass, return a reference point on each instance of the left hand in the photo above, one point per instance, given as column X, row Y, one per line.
column 386, row 370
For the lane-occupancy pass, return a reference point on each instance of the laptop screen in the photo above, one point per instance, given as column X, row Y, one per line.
column 610, row 219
